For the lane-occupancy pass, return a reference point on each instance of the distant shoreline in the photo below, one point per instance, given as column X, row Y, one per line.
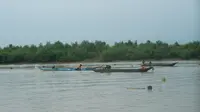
column 98, row 52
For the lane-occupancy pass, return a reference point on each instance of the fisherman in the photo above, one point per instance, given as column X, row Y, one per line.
column 143, row 62
column 53, row 67
column 108, row 67
column 143, row 67
column 79, row 67
column 150, row 63
column 149, row 88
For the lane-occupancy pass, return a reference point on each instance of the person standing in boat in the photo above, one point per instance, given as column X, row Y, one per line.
column 79, row 67
column 53, row 66
column 143, row 62
column 150, row 64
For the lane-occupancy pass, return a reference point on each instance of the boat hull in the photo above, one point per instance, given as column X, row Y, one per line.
column 160, row 64
column 63, row 69
column 122, row 70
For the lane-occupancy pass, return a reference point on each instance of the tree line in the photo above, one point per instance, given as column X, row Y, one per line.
column 98, row 51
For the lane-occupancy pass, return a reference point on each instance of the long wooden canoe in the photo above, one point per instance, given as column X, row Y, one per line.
column 63, row 69
column 160, row 64
column 122, row 70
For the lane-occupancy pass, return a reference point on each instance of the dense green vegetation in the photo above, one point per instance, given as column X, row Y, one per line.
column 98, row 51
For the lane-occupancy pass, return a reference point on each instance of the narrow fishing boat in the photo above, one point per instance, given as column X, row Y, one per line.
column 103, row 70
column 159, row 64
column 64, row 69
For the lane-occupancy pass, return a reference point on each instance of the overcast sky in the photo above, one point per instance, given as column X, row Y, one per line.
column 34, row 21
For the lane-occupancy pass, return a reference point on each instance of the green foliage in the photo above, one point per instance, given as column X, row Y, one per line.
column 98, row 50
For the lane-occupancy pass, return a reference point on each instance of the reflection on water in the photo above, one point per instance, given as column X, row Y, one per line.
column 38, row 91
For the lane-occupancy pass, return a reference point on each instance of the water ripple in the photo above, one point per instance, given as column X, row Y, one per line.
column 32, row 90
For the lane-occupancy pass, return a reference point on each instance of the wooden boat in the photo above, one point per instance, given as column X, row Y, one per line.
column 160, row 64
column 63, row 69
column 103, row 70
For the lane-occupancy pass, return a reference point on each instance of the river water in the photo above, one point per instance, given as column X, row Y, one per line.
column 32, row 90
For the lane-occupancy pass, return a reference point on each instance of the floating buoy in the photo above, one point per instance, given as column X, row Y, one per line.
column 164, row 79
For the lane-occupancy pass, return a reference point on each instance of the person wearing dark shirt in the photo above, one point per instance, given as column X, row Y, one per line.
column 150, row 63
column 143, row 62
